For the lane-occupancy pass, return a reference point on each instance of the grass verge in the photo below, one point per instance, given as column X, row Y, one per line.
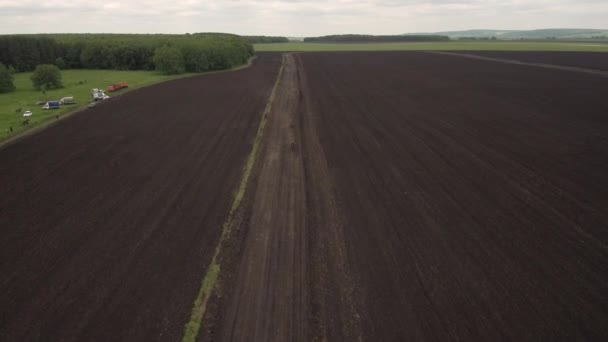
column 193, row 326
column 77, row 83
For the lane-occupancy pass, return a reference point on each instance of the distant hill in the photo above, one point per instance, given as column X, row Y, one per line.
column 524, row 34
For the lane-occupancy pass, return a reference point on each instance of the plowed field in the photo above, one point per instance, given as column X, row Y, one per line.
column 446, row 198
column 474, row 193
column 108, row 220
column 395, row 196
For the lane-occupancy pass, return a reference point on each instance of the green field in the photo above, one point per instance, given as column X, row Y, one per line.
column 455, row 45
column 77, row 83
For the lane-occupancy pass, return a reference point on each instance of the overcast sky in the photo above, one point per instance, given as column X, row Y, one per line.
column 296, row 17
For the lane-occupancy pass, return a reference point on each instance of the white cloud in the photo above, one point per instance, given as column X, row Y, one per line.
column 295, row 17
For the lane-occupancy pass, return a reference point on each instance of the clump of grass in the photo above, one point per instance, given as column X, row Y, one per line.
column 196, row 319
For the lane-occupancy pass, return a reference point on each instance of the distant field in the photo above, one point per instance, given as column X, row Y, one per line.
column 78, row 83
column 491, row 45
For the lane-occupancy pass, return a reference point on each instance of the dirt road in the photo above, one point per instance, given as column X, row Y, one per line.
column 290, row 283
column 271, row 295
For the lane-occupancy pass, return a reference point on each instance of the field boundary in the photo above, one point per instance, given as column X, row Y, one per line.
column 48, row 123
column 516, row 62
column 193, row 325
column 434, row 46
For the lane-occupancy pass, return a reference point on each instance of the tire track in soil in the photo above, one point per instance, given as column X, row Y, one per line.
column 335, row 308
column 289, row 278
column 519, row 62
column 585, row 60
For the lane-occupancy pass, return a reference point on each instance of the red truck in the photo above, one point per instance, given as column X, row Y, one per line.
column 117, row 86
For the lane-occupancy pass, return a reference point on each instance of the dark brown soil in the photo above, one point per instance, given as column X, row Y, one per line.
column 445, row 198
column 289, row 240
column 473, row 194
column 397, row 196
column 586, row 60
column 109, row 219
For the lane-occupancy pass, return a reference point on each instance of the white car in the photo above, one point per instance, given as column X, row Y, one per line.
column 27, row 113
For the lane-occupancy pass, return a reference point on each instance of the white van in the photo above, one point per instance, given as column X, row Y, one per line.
column 67, row 100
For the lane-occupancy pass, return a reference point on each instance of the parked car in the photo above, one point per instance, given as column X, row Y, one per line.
column 98, row 94
column 27, row 113
column 67, row 100
column 51, row 105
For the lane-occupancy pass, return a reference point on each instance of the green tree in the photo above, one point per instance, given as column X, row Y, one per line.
column 46, row 76
column 200, row 51
column 169, row 60
column 195, row 58
column 60, row 63
column 6, row 80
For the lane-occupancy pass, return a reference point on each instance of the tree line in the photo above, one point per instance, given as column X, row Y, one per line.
column 363, row 38
column 477, row 38
column 266, row 39
column 195, row 52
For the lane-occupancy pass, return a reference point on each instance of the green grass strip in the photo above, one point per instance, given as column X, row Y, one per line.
column 25, row 96
column 554, row 45
column 193, row 326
